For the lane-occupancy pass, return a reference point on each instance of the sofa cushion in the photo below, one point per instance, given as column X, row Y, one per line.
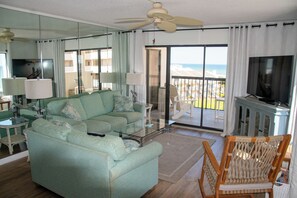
column 93, row 105
column 130, row 116
column 122, row 103
column 49, row 129
column 110, row 144
column 117, row 123
column 108, row 101
column 77, row 125
column 73, row 109
column 97, row 126
column 55, row 107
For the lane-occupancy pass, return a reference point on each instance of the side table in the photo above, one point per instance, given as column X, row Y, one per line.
column 16, row 138
column 2, row 102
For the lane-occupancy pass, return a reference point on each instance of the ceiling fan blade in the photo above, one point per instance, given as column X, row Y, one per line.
column 142, row 24
column 185, row 21
column 130, row 20
column 163, row 16
column 167, row 26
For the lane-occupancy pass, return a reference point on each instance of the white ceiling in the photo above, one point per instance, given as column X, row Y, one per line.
column 211, row 12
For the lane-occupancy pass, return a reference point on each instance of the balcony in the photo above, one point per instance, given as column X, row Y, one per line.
column 207, row 96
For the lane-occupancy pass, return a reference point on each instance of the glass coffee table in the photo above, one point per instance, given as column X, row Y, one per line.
column 149, row 129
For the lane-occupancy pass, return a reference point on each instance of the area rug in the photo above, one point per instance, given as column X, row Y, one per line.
column 180, row 153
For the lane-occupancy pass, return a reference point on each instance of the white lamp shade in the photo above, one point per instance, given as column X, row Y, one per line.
column 107, row 77
column 13, row 86
column 38, row 88
column 134, row 79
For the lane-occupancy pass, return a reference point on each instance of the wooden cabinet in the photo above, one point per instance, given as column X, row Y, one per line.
column 256, row 118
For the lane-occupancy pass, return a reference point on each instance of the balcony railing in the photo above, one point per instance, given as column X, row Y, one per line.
column 193, row 87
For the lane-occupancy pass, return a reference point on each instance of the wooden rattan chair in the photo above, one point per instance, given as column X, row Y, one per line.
column 248, row 165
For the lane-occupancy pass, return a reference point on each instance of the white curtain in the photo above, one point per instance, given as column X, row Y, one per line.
column 55, row 49
column 137, row 64
column 120, row 51
column 236, row 79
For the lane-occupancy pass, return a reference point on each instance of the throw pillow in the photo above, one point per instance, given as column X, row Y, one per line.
column 122, row 103
column 49, row 129
column 61, row 123
column 70, row 112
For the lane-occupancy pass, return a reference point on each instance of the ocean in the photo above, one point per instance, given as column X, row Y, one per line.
column 219, row 69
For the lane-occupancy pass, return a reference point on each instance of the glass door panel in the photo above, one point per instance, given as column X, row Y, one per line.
column 156, row 79
column 90, row 70
column 106, row 65
column 214, row 87
column 186, row 85
column 70, row 72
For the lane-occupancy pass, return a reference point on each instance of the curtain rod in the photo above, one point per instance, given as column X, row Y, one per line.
column 267, row 25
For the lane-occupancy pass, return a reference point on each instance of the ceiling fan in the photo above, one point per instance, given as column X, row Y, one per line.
column 6, row 36
column 160, row 18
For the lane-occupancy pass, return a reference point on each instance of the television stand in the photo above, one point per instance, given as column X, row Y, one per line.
column 267, row 100
column 257, row 118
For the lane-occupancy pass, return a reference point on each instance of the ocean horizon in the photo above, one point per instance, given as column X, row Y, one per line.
column 219, row 69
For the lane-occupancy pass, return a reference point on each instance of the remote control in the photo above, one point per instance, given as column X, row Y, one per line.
column 96, row 134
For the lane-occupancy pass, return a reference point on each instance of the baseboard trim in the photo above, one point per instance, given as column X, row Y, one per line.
column 13, row 157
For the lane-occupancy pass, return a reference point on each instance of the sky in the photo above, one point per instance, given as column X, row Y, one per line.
column 194, row 55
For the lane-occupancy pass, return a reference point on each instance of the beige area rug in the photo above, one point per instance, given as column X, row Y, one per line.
column 180, row 153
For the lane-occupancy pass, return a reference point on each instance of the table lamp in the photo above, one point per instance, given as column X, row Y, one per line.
column 15, row 87
column 38, row 89
column 107, row 77
column 134, row 79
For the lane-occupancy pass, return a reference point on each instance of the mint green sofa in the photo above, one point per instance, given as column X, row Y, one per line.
column 73, row 164
column 95, row 112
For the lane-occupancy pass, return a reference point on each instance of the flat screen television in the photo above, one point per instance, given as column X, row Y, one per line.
column 270, row 77
column 31, row 68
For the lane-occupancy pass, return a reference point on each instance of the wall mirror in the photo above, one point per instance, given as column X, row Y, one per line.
column 30, row 30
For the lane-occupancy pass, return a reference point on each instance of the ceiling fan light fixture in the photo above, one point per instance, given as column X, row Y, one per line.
column 7, row 33
column 157, row 8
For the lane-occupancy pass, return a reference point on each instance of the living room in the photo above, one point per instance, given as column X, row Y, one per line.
column 209, row 35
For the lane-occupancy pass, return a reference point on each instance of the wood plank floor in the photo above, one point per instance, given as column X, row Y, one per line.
column 15, row 177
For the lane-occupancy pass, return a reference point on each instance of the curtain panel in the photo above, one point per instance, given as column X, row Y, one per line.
column 120, row 52
column 55, row 49
column 137, row 63
column 236, row 78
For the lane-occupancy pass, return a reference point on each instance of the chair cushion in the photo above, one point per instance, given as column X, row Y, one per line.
column 123, row 104
column 93, row 105
column 49, row 129
column 110, row 144
column 130, row 116
column 246, row 187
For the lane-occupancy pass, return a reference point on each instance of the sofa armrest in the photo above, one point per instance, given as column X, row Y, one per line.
column 139, row 107
column 136, row 159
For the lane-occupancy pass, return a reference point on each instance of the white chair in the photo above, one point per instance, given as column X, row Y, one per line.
column 180, row 107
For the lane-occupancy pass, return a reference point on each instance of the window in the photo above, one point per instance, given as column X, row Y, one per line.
column 88, row 73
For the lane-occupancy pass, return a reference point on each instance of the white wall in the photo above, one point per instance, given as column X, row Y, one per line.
column 193, row 37
column 23, row 50
column 89, row 43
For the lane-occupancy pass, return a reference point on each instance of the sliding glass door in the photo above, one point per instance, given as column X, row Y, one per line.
column 197, row 85
column 186, row 84
column 214, row 83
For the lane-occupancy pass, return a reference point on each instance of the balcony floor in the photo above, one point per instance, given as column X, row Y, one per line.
column 210, row 119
